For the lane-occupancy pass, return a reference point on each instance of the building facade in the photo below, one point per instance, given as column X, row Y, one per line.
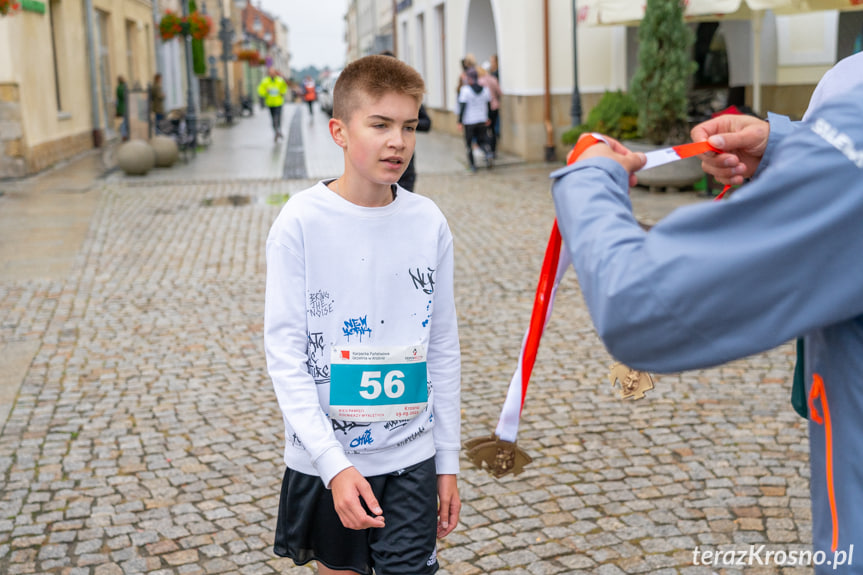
column 538, row 52
column 59, row 65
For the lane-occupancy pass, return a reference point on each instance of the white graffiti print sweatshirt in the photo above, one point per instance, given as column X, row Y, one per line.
column 343, row 275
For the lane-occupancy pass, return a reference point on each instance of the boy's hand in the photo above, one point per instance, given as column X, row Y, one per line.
column 350, row 490
column 449, row 504
column 742, row 140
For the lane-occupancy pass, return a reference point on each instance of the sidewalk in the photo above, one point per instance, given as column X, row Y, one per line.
column 242, row 151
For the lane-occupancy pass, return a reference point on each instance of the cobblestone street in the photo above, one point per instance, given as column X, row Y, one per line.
column 145, row 435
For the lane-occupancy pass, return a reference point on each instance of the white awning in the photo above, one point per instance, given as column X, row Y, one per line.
column 630, row 12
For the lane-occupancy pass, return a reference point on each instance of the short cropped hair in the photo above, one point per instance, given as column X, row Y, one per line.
column 374, row 76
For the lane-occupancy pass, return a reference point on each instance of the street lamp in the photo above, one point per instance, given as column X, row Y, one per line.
column 191, row 119
column 226, row 35
column 575, row 109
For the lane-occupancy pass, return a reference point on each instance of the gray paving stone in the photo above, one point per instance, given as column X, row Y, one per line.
column 145, row 437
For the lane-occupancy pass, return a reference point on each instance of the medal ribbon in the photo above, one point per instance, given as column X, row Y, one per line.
column 556, row 262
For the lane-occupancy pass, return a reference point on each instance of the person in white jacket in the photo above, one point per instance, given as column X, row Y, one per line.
column 362, row 345
column 474, row 104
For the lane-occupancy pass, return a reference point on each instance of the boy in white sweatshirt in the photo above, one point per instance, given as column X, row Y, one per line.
column 362, row 346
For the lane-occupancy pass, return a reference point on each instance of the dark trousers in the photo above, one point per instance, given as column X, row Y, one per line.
column 478, row 132
column 276, row 114
column 492, row 130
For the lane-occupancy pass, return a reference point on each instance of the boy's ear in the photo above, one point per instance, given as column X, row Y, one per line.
column 338, row 132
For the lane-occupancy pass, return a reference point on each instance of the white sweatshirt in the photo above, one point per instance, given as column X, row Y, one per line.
column 361, row 279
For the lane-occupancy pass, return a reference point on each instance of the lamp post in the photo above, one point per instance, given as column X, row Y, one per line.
column 226, row 35
column 191, row 117
column 575, row 109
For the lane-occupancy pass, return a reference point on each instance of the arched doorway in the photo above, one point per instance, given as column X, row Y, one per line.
column 480, row 32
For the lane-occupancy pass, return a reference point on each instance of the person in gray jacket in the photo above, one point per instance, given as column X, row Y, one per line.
column 720, row 281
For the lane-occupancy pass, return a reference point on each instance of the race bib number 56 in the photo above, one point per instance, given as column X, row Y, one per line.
column 377, row 383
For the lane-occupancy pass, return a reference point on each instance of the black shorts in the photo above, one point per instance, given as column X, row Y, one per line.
column 309, row 529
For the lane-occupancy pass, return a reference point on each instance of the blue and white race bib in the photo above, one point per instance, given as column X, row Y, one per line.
column 377, row 383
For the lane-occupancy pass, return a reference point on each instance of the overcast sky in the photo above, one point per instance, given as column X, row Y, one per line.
column 316, row 30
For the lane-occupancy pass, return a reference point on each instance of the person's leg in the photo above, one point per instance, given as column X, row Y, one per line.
column 308, row 529
column 492, row 132
column 277, row 120
column 408, row 543
column 324, row 570
column 272, row 110
column 482, row 139
column 468, row 142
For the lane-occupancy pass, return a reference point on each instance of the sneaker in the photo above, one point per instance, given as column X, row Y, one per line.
column 488, row 162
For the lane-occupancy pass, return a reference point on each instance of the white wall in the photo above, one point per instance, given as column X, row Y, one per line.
column 513, row 30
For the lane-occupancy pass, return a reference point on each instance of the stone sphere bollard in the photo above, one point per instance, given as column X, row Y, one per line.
column 136, row 157
column 167, row 151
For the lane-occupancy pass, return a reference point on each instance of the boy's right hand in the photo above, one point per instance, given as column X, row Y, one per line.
column 349, row 488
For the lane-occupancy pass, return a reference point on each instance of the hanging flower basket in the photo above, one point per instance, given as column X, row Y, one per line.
column 253, row 57
column 196, row 25
column 8, row 7
column 199, row 25
column 170, row 26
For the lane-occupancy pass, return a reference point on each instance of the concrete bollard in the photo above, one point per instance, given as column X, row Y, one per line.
column 136, row 157
column 167, row 151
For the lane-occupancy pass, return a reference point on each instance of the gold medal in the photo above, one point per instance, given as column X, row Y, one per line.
column 633, row 384
column 499, row 457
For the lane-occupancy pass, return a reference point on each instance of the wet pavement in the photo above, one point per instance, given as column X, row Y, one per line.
column 141, row 433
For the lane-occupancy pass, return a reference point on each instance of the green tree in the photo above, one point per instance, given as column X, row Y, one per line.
column 665, row 67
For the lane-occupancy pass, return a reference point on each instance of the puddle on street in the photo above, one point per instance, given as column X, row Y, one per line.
column 237, row 200
column 233, row 200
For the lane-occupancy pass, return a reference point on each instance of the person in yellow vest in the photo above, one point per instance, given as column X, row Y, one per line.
column 273, row 89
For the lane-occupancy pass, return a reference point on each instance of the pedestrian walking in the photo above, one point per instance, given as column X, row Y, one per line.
column 310, row 93
column 120, row 110
column 157, row 100
column 719, row 281
column 486, row 80
column 273, row 89
column 474, row 102
column 362, row 346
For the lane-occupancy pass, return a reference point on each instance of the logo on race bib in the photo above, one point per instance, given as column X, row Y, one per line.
column 377, row 383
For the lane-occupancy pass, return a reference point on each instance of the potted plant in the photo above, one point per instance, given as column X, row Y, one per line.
column 199, row 25
column 665, row 68
column 660, row 86
column 170, row 25
column 196, row 25
column 615, row 115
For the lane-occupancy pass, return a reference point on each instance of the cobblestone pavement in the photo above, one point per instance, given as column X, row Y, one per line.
column 145, row 437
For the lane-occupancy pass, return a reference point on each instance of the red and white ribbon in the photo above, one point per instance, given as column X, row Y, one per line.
column 554, row 266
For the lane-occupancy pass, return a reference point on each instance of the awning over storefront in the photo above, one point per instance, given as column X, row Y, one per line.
column 630, row 13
